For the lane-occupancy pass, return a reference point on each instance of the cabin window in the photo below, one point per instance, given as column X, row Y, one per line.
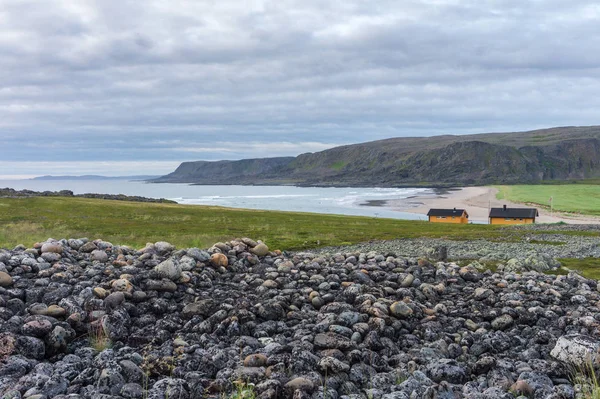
column 507, row 219
column 441, row 217
column 452, row 217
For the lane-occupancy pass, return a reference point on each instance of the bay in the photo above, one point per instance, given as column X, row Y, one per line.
column 373, row 202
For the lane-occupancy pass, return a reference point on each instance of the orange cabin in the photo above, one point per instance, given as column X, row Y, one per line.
column 459, row 216
column 506, row 215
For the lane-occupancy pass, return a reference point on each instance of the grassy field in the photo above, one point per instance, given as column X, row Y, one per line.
column 28, row 220
column 575, row 198
column 25, row 221
column 588, row 267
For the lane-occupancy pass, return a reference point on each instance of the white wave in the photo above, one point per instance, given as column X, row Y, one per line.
column 242, row 197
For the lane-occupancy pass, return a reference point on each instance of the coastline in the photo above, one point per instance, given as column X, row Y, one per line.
column 477, row 201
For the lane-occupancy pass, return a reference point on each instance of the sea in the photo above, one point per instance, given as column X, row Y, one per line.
column 373, row 202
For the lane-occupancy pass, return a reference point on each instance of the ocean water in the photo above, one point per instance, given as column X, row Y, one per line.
column 340, row 200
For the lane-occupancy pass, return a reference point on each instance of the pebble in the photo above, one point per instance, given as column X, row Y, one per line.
column 257, row 360
column 219, row 260
column 400, row 310
column 52, row 247
column 169, row 269
column 99, row 255
column 260, row 249
column 5, row 279
column 56, row 311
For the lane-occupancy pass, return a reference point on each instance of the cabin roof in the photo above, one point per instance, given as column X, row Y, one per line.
column 445, row 212
column 527, row 213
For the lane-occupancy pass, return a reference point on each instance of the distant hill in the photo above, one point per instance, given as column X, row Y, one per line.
column 555, row 154
column 96, row 177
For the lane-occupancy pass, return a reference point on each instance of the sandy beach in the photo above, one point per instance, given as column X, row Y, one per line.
column 477, row 201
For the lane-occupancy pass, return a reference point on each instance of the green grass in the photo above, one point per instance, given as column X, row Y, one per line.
column 243, row 390
column 585, row 379
column 99, row 339
column 574, row 198
column 588, row 267
column 338, row 165
column 28, row 220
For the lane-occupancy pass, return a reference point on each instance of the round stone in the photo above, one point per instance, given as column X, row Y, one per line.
column 37, row 328
column 56, row 311
column 407, row 281
column 52, row 247
column 317, row 302
column 270, row 284
column 219, row 260
column 260, row 249
column 5, row 279
column 400, row 309
column 38, row 309
column 121, row 285
column 503, row 322
column 162, row 247
column 114, row 300
column 99, row 255
column 256, row 360
column 169, row 269
column 100, row 292
column 300, row 383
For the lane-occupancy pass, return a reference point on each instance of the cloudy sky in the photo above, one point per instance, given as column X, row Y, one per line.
column 126, row 86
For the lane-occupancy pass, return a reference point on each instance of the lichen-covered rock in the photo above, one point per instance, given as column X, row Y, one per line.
column 163, row 247
column 99, row 255
column 577, row 350
column 400, row 309
column 169, row 269
column 502, row 322
column 446, row 370
column 198, row 255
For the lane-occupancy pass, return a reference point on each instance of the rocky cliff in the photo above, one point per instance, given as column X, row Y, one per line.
column 508, row 158
column 226, row 172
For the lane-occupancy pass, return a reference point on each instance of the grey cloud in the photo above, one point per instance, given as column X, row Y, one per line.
column 104, row 80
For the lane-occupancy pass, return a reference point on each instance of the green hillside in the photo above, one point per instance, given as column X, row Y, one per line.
column 549, row 155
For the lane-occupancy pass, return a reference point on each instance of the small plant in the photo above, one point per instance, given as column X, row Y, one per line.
column 325, row 385
column 243, row 390
column 159, row 366
column 98, row 337
column 586, row 378
column 146, row 383
column 400, row 378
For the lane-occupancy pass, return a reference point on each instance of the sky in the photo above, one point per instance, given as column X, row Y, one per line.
column 136, row 87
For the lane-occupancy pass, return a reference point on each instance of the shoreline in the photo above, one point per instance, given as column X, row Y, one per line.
column 477, row 201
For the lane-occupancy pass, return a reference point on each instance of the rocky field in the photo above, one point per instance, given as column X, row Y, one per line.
column 535, row 250
column 89, row 319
